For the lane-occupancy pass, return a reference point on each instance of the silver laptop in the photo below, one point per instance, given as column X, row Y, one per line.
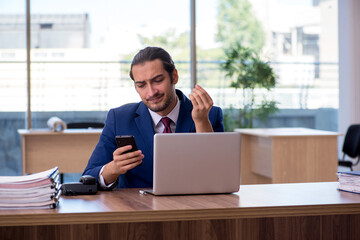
column 196, row 163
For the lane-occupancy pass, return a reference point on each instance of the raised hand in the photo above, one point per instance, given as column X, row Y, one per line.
column 202, row 104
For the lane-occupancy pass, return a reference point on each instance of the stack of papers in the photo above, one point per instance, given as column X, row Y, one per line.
column 349, row 181
column 39, row 190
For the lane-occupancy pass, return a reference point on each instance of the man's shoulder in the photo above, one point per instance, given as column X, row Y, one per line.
column 128, row 108
column 216, row 108
column 216, row 112
column 124, row 113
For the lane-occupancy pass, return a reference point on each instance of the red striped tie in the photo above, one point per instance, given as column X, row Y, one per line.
column 166, row 121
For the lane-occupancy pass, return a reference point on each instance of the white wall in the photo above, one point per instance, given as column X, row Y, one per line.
column 349, row 65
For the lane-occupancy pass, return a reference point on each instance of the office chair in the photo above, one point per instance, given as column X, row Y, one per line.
column 351, row 146
column 85, row 125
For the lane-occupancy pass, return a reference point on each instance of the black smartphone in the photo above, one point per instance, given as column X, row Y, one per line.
column 124, row 140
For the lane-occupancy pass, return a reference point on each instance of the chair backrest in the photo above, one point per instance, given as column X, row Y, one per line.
column 351, row 146
column 85, row 125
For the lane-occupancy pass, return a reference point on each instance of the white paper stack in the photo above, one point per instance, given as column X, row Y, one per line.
column 349, row 181
column 39, row 190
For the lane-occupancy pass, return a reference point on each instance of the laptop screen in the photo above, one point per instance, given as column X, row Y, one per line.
column 196, row 163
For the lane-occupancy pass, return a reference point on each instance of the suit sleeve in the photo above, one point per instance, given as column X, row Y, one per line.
column 217, row 120
column 103, row 152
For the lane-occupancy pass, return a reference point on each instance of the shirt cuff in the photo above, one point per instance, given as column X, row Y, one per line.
column 102, row 181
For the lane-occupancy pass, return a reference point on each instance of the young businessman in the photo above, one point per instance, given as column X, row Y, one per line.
column 155, row 76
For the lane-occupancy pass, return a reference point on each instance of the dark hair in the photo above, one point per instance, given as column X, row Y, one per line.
column 150, row 54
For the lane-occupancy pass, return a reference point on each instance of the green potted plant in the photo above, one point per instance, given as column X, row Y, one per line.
column 248, row 72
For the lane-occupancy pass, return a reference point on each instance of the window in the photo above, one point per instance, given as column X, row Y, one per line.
column 297, row 37
column 12, row 84
column 81, row 57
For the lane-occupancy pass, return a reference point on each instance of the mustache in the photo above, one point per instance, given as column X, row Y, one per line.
column 154, row 97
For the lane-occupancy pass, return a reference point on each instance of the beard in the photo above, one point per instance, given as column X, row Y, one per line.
column 161, row 106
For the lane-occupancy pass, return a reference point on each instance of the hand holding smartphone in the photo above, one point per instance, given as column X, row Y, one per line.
column 124, row 140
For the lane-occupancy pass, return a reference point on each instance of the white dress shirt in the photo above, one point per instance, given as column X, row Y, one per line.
column 173, row 115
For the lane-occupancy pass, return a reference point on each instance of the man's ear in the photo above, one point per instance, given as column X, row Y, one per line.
column 175, row 76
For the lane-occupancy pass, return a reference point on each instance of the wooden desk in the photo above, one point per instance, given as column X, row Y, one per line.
column 288, row 155
column 69, row 150
column 273, row 211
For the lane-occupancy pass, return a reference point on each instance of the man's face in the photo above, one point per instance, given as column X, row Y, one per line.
column 153, row 84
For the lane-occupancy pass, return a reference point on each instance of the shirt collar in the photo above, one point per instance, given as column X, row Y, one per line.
column 173, row 115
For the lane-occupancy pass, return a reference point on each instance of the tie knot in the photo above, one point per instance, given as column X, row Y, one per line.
column 166, row 121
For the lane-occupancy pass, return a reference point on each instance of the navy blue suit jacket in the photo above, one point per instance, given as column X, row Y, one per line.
column 134, row 119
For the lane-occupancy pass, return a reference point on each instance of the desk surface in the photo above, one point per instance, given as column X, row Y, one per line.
column 285, row 132
column 252, row 201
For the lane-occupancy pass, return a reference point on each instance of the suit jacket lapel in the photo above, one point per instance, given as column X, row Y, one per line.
column 185, row 122
column 144, row 124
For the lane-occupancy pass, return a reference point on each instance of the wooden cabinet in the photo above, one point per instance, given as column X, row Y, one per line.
column 288, row 155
